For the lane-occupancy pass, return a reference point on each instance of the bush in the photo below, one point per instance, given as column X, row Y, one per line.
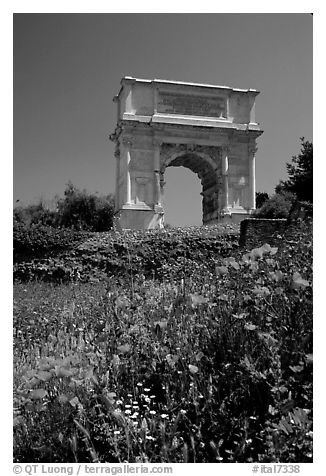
column 78, row 209
column 261, row 198
column 278, row 206
column 153, row 253
column 300, row 210
column 35, row 214
column 36, row 240
column 84, row 211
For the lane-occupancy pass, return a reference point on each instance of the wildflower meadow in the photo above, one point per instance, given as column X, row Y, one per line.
column 165, row 346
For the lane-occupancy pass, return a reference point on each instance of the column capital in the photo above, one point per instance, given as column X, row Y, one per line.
column 117, row 153
column 252, row 149
column 127, row 141
column 225, row 148
column 157, row 141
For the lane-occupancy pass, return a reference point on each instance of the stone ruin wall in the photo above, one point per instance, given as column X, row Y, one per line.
column 254, row 232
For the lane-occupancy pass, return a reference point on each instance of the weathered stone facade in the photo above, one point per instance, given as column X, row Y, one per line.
column 209, row 129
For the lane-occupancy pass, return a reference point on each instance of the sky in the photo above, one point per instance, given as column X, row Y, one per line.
column 68, row 67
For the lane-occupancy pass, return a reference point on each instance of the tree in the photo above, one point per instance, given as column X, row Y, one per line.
column 300, row 171
column 78, row 209
column 38, row 213
column 261, row 198
column 85, row 211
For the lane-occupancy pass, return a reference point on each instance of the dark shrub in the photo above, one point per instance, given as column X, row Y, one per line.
column 36, row 240
column 85, row 211
column 278, row 206
column 35, row 214
column 261, row 198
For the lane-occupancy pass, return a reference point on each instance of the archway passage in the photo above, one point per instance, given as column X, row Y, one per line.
column 182, row 201
column 207, row 171
column 211, row 130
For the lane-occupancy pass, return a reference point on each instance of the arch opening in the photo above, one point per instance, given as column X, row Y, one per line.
column 209, row 187
column 182, row 200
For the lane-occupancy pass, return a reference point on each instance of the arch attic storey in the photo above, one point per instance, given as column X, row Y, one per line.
column 211, row 130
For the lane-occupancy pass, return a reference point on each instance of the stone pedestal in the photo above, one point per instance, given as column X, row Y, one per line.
column 137, row 219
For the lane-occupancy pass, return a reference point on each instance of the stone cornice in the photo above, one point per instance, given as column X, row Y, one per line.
column 134, row 80
column 163, row 121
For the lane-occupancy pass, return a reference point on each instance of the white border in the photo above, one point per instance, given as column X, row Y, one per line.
column 80, row 6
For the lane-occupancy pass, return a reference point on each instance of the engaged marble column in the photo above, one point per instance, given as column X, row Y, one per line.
column 127, row 145
column 117, row 178
column 157, row 148
column 225, row 178
column 158, row 188
column 162, row 184
column 252, row 176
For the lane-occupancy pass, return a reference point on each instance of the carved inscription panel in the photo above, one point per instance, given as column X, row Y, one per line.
column 190, row 105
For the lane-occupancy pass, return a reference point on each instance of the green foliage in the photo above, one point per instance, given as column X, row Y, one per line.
column 277, row 206
column 36, row 214
column 38, row 240
column 300, row 172
column 84, row 211
column 152, row 253
column 78, row 210
column 211, row 364
column 261, row 198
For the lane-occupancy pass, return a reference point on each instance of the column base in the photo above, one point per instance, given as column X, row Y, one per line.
column 235, row 215
column 228, row 216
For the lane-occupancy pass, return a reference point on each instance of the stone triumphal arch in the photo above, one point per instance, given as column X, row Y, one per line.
column 209, row 129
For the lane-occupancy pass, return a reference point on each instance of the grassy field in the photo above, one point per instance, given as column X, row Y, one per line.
column 173, row 347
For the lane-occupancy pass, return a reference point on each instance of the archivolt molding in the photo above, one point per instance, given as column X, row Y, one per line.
column 169, row 152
